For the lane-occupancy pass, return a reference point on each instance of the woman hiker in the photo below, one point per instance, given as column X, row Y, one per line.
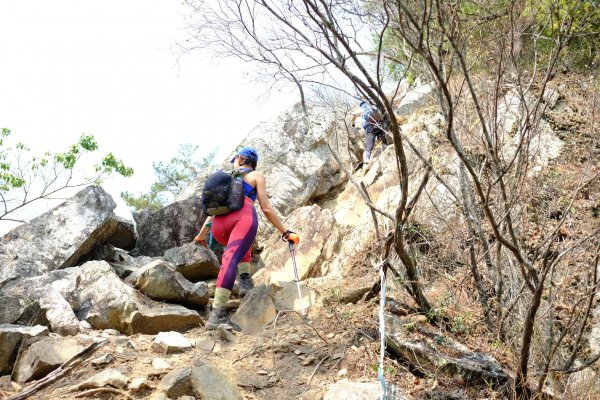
column 238, row 230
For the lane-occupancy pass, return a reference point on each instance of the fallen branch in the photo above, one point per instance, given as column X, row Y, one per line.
column 61, row 371
column 314, row 371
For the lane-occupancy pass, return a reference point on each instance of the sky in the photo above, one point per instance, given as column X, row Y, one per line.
column 111, row 69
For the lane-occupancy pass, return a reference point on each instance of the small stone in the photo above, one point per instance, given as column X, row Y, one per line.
column 294, row 338
column 337, row 355
column 205, row 344
column 217, row 348
column 102, row 360
column 225, row 335
column 171, row 342
column 281, row 347
column 186, row 398
column 262, row 372
column 330, row 335
column 298, row 352
column 160, row 363
column 138, row 384
column 354, row 348
column 120, row 349
column 199, row 361
column 84, row 325
column 342, row 372
column 310, row 360
column 272, row 380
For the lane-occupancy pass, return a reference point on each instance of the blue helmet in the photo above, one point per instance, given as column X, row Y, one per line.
column 248, row 152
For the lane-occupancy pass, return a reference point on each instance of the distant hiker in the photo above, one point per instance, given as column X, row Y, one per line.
column 237, row 229
column 373, row 125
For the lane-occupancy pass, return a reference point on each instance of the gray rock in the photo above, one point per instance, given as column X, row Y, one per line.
column 49, row 307
column 102, row 360
column 109, row 377
column 256, row 311
column 415, row 99
column 138, row 384
column 287, row 298
column 362, row 391
column 196, row 263
column 11, row 309
column 101, row 298
column 169, row 227
column 40, row 358
column 205, row 344
column 159, row 281
column 155, row 320
column 11, row 337
column 209, row 383
column 61, row 237
column 171, row 342
column 177, row 383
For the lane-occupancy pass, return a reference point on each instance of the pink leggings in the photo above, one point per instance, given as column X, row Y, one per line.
column 236, row 230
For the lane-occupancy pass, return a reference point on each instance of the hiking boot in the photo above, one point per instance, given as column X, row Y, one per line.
column 218, row 317
column 246, row 283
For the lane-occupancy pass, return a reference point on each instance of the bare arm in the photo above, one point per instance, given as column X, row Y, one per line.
column 204, row 230
column 265, row 204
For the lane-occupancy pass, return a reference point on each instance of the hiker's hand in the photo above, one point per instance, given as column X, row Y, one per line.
column 200, row 242
column 289, row 236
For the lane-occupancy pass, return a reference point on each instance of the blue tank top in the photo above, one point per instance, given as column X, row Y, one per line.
column 249, row 191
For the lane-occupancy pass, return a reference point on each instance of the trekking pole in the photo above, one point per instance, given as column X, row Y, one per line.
column 293, row 253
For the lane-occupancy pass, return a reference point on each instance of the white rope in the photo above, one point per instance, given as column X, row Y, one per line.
column 382, row 331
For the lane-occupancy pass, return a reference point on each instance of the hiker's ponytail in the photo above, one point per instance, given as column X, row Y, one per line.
column 242, row 160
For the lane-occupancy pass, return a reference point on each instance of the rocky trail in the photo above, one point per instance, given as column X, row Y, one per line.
column 133, row 297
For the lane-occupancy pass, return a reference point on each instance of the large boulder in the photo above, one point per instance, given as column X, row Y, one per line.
column 196, row 263
column 94, row 293
column 62, row 237
column 169, row 227
column 160, row 281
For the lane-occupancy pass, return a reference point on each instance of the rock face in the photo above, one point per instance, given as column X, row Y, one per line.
column 319, row 239
column 295, row 157
column 169, row 227
column 11, row 337
column 62, row 237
